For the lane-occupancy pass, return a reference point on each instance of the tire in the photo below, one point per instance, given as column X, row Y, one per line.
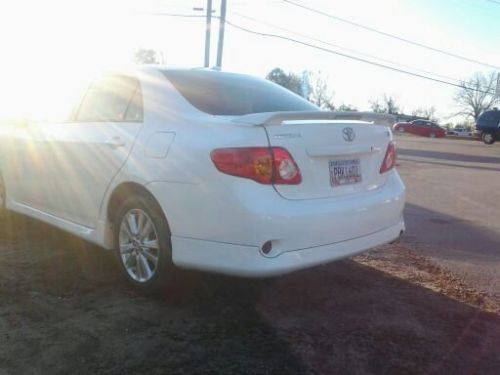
column 142, row 244
column 432, row 135
column 488, row 138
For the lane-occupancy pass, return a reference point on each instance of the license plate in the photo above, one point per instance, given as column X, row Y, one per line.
column 345, row 172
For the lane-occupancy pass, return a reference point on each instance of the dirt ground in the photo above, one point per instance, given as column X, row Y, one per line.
column 64, row 308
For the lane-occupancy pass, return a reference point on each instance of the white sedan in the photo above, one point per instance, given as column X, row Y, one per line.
column 206, row 170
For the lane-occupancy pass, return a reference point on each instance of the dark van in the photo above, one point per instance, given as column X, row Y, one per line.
column 488, row 126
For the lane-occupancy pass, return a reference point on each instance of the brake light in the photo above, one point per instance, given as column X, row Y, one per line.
column 266, row 165
column 389, row 159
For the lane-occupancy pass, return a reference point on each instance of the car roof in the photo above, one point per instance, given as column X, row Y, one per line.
column 195, row 71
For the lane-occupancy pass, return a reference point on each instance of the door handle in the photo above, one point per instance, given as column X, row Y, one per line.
column 114, row 142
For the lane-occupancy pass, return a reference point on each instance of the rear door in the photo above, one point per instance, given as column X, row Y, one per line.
column 89, row 151
column 417, row 127
column 336, row 158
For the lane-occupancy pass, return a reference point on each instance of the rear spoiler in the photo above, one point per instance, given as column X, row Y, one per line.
column 277, row 118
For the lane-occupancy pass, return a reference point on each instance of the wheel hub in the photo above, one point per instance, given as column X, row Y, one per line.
column 138, row 245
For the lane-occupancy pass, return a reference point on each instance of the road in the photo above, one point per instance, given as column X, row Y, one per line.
column 453, row 205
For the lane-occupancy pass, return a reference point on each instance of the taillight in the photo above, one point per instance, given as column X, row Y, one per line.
column 266, row 165
column 389, row 159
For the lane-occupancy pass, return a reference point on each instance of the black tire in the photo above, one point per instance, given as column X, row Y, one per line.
column 488, row 138
column 164, row 272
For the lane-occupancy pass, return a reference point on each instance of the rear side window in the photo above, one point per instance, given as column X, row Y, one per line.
column 490, row 118
column 113, row 98
column 228, row 94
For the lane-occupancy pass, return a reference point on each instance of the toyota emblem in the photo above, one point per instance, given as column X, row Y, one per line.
column 348, row 134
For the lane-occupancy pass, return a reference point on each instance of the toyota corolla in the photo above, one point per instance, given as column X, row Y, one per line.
column 207, row 170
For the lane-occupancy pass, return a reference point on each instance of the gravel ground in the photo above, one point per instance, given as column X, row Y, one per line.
column 64, row 308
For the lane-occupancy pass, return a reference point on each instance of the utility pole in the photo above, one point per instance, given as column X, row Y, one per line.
column 207, row 33
column 222, row 24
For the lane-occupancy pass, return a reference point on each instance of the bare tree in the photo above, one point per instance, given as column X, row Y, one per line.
column 346, row 108
column 321, row 94
column 290, row 81
column 391, row 104
column 376, row 106
column 385, row 104
column 476, row 95
column 145, row 56
column 425, row 112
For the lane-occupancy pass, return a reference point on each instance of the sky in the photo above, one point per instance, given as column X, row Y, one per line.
column 47, row 45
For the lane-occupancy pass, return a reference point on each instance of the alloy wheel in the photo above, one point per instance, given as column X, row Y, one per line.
column 488, row 138
column 138, row 245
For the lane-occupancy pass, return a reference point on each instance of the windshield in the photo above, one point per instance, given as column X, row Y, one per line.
column 229, row 94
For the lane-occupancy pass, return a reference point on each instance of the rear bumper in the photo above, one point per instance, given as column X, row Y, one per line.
column 248, row 261
column 223, row 230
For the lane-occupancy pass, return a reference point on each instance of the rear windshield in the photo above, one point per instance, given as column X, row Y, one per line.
column 228, row 94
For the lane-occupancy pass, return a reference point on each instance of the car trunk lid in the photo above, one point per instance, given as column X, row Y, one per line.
column 336, row 157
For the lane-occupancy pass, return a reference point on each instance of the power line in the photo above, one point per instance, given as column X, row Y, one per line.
column 351, row 57
column 371, row 29
column 374, row 63
column 344, row 48
column 174, row 15
column 494, row 2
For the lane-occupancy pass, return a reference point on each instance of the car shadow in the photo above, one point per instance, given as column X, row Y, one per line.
column 454, row 237
column 347, row 317
column 65, row 308
column 471, row 251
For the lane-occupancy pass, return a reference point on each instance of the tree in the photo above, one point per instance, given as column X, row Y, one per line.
column 146, row 56
column 316, row 86
column 425, row 112
column 321, row 94
column 385, row 104
column 290, row 81
column 347, row 108
column 376, row 106
column 476, row 95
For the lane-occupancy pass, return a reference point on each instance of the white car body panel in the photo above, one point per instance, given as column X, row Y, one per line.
column 65, row 174
column 248, row 261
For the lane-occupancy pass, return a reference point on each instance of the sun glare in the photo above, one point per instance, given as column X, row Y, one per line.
column 52, row 49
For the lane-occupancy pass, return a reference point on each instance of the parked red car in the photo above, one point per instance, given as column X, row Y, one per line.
column 424, row 128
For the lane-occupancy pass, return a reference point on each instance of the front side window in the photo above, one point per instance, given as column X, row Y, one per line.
column 113, row 98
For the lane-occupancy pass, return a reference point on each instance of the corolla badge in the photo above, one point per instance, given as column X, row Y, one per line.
column 348, row 134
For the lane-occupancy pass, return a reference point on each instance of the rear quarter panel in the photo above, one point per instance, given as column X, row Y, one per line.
column 184, row 180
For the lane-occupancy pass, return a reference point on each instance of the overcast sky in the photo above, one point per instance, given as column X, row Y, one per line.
column 45, row 40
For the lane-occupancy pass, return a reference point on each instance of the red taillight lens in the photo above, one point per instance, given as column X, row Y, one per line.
column 389, row 159
column 265, row 165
